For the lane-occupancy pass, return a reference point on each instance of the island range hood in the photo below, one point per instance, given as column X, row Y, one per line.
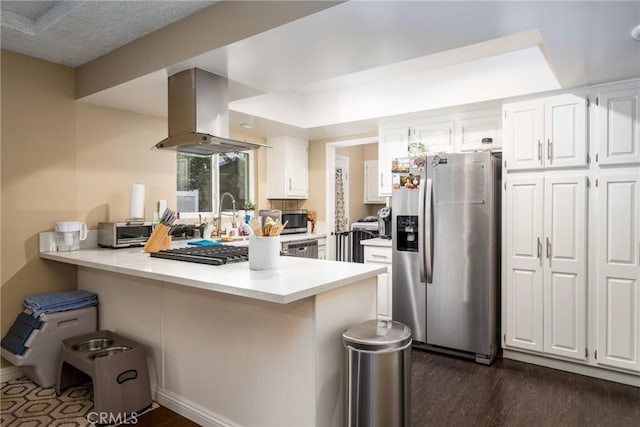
column 199, row 115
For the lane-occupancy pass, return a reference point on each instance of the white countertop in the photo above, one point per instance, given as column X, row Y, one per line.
column 385, row 243
column 295, row 279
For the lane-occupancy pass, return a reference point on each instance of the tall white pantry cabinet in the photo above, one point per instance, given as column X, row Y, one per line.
column 571, row 231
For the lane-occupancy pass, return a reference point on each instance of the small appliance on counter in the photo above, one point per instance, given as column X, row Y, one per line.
column 187, row 231
column 274, row 214
column 384, row 223
column 69, row 234
column 123, row 234
column 295, row 220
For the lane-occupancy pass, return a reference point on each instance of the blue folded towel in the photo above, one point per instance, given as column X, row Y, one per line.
column 204, row 243
column 53, row 302
column 19, row 333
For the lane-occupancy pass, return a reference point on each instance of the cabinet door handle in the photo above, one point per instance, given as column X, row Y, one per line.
column 539, row 150
column 378, row 256
column 450, row 135
column 549, row 148
column 289, row 184
column 381, row 180
column 548, row 249
column 539, row 248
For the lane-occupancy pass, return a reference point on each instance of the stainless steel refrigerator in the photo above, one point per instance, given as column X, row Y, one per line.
column 446, row 221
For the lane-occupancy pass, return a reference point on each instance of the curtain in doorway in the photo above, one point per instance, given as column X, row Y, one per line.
column 339, row 214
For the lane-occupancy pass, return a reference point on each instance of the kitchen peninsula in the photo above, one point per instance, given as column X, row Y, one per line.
column 228, row 345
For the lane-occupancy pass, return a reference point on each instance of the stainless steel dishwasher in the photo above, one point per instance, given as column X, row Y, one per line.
column 301, row 248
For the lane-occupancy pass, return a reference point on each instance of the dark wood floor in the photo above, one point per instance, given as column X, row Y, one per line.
column 448, row 391
column 163, row 417
column 457, row 392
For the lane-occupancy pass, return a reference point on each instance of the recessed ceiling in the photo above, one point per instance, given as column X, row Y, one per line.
column 334, row 50
column 495, row 69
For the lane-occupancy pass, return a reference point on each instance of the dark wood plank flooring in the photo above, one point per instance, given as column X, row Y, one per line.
column 458, row 392
column 447, row 391
column 163, row 417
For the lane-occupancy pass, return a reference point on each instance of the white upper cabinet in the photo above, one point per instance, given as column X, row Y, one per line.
column 371, row 182
column 618, row 283
column 436, row 136
column 522, row 130
column 445, row 133
column 392, row 144
column 565, row 131
column 618, row 123
column 287, row 168
column 545, row 133
column 479, row 133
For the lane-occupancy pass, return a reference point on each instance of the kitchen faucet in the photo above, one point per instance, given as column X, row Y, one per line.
column 233, row 218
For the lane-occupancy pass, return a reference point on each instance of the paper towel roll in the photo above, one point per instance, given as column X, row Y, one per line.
column 162, row 205
column 137, row 201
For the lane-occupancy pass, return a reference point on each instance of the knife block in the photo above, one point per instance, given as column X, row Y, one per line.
column 159, row 239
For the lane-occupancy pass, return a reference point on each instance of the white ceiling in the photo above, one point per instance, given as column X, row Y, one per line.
column 583, row 42
column 75, row 32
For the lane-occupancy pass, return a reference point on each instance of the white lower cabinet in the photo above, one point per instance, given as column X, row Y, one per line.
column 545, row 282
column 322, row 252
column 523, row 291
column 381, row 255
column 322, row 248
column 618, row 284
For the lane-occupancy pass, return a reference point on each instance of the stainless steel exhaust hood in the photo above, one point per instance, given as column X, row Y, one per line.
column 199, row 115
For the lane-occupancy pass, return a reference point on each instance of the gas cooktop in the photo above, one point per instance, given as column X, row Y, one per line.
column 213, row 255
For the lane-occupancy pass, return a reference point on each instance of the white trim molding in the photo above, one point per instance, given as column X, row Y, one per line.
column 191, row 410
column 10, row 373
column 590, row 371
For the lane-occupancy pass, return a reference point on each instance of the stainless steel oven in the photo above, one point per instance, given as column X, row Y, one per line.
column 301, row 248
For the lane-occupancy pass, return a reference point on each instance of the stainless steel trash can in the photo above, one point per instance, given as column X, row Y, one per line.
column 377, row 385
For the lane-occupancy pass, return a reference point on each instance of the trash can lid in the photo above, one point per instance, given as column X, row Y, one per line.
column 377, row 334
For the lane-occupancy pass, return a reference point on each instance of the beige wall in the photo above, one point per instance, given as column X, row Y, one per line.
column 113, row 151
column 371, row 151
column 38, row 175
column 317, row 179
column 65, row 160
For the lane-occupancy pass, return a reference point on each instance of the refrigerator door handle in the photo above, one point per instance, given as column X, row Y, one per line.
column 421, row 254
column 425, row 233
column 428, row 230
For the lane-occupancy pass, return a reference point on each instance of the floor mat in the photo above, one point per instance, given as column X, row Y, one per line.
column 24, row 403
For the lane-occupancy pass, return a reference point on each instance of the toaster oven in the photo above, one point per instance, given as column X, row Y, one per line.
column 123, row 234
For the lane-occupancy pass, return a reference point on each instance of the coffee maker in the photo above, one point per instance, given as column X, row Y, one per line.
column 384, row 223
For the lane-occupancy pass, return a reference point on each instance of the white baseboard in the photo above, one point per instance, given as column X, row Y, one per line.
column 590, row 371
column 191, row 410
column 10, row 373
